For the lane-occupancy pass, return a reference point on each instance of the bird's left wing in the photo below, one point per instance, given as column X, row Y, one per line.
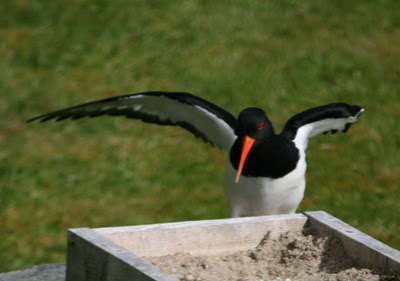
column 322, row 119
column 202, row 118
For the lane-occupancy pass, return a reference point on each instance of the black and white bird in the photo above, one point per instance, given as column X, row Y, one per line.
column 265, row 171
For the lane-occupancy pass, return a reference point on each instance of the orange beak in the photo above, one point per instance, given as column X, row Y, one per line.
column 246, row 146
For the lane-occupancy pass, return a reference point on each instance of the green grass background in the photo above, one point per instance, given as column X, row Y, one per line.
column 283, row 56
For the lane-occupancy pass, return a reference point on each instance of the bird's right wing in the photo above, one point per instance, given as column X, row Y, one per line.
column 322, row 119
column 202, row 118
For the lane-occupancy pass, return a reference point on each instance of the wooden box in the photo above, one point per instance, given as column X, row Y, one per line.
column 114, row 253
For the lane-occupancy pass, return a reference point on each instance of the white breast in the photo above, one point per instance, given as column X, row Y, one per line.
column 253, row 196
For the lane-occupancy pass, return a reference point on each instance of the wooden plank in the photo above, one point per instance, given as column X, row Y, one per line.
column 366, row 251
column 113, row 253
column 202, row 237
column 91, row 257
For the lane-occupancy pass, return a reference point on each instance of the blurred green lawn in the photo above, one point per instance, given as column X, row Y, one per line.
column 283, row 56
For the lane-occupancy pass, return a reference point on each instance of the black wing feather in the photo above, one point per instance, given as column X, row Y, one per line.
column 202, row 118
column 325, row 112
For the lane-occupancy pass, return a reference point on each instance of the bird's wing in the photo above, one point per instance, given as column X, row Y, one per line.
column 331, row 117
column 202, row 118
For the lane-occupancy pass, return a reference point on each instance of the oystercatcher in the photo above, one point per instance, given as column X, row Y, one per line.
column 265, row 171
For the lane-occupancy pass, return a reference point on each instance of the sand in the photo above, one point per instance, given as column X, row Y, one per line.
column 291, row 257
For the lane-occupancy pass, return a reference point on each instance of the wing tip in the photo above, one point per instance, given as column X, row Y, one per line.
column 47, row 117
column 356, row 110
column 41, row 118
column 32, row 119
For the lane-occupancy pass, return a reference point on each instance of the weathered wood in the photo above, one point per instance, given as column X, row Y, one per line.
column 91, row 257
column 202, row 237
column 113, row 253
column 365, row 251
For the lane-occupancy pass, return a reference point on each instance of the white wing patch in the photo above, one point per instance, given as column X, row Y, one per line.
column 164, row 110
column 216, row 130
column 137, row 107
column 312, row 129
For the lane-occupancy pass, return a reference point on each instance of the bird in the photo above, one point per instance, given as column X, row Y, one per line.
column 265, row 171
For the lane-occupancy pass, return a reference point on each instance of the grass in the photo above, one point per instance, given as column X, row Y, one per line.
column 283, row 56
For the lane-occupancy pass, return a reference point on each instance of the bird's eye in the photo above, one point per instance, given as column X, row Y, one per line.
column 260, row 126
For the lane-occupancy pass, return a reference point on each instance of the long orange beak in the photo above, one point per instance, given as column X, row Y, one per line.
column 246, row 146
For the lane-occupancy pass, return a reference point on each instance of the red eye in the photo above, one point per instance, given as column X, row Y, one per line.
column 260, row 126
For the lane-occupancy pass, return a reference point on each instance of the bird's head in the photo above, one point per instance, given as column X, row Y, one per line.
column 254, row 128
